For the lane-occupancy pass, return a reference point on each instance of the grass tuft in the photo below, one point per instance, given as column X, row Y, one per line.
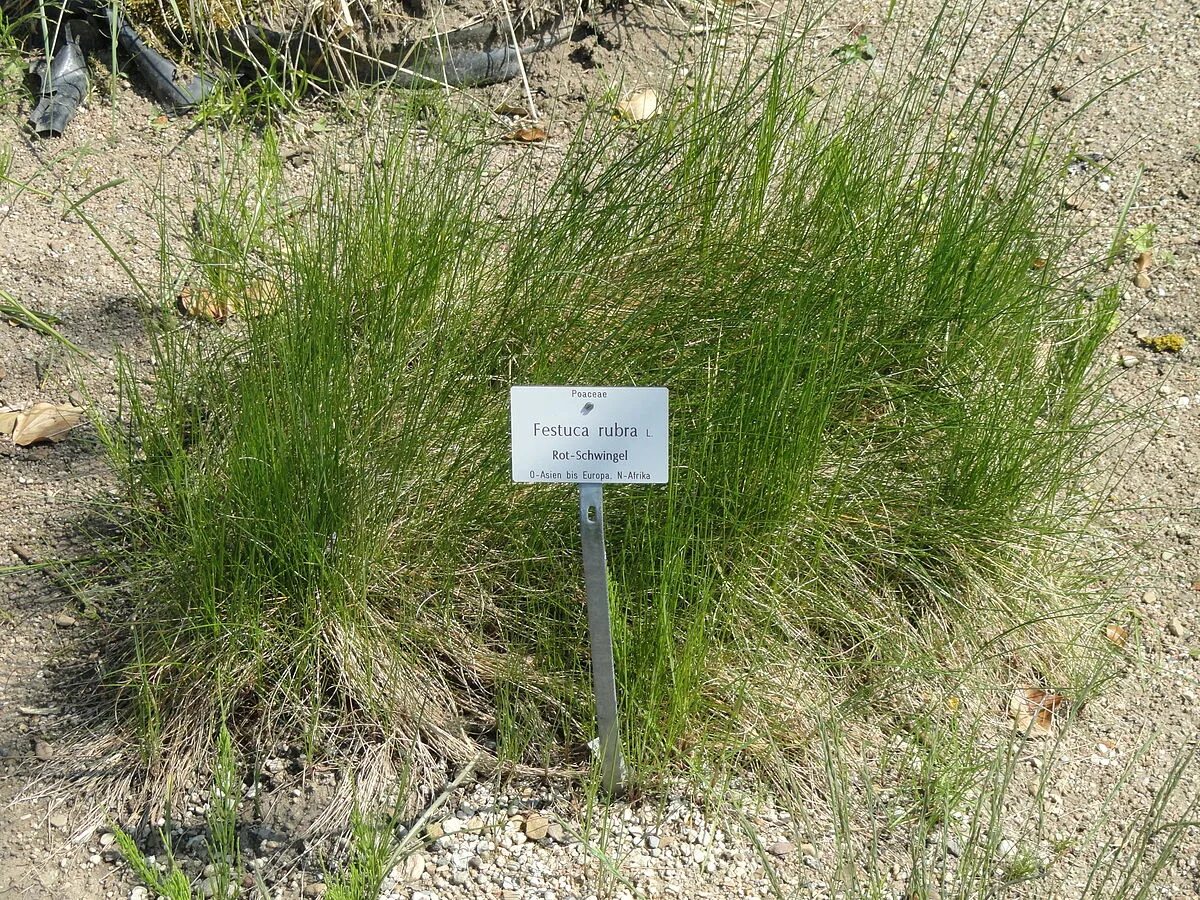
column 883, row 407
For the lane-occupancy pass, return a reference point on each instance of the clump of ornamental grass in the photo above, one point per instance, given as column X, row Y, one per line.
column 882, row 406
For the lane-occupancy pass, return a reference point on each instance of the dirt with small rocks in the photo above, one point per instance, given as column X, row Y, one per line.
column 1139, row 144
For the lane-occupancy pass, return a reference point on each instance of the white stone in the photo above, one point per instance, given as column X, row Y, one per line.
column 411, row 869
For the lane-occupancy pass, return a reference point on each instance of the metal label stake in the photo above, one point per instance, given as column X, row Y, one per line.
column 588, row 435
column 604, row 676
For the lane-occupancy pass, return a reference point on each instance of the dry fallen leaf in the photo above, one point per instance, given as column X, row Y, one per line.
column 8, row 420
column 1173, row 342
column 511, row 109
column 44, row 422
column 1033, row 710
column 1117, row 634
column 261, row 297
column 639, row 106
column 530, row 135
column 203, row 304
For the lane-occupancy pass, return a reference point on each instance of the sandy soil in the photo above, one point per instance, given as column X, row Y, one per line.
column 52, row 260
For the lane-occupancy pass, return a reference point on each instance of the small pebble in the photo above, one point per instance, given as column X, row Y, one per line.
column 537, row 826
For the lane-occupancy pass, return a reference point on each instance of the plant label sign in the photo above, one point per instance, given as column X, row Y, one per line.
column 589, row 435
column 592, row 436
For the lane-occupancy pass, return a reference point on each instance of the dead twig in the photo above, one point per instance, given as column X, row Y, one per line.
column 512, row 33
column 418, row 826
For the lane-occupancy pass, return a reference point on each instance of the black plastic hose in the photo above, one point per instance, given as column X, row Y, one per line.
column 482, row 53
column 64, row 84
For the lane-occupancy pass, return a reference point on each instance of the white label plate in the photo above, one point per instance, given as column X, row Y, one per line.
column 608, row 435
